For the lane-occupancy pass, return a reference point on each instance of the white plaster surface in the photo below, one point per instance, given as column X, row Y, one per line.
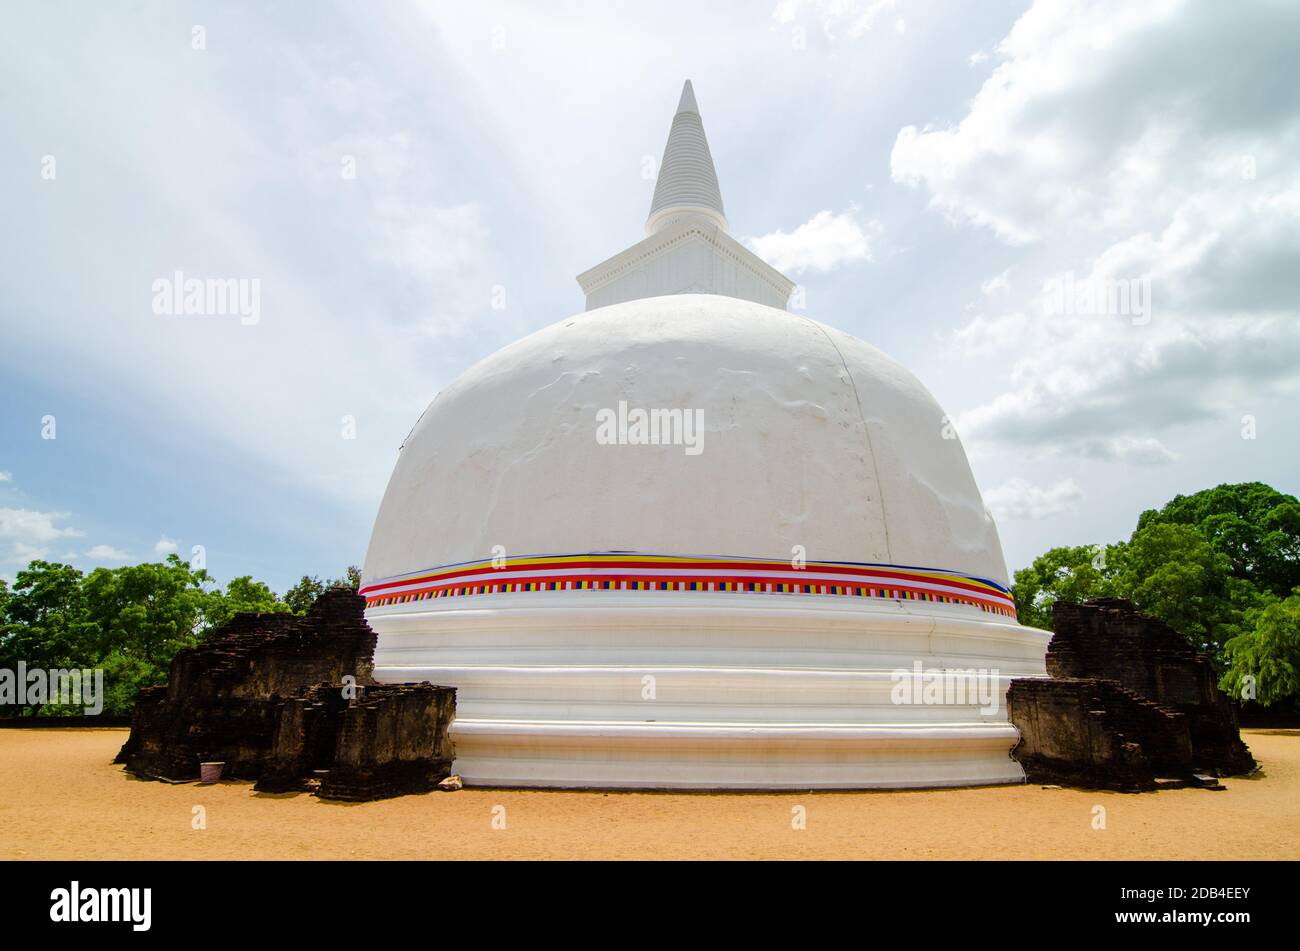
column 810, row 438
column 687, row 178
column 748, row 691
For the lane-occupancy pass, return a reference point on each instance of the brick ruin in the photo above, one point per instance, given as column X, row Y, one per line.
column 1085, row 732
column 1128, row 705
column 289, row 701
column 389, row 740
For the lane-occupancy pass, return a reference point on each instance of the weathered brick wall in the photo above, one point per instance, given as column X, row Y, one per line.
column 221, row 698
column 265, row 695
column 304, row 739
column 1109, row 638
column 392, row 740
column 257, row 656
column 387, row 740
column 1096, row 734
column 1128, row 700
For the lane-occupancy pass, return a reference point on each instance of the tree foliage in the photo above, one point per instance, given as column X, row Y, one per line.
column 1220, row 566
column 300, row 596
column 127, row 621
column 1254, row 526
column 1265, row 661
column 45, row 622
column 1061, row 574
column 1173, row 572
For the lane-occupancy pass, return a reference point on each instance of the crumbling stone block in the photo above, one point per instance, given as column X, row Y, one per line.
column 1109, row 638
column 1095, row 734
column 266, row 695
column 1127, row 701
column 392, row 740
column 222, row 697
column 304, row 740
column 373, row 742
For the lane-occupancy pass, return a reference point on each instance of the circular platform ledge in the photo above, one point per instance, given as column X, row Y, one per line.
column 633, row 690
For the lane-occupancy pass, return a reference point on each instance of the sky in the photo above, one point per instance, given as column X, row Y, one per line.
column 1078, row 223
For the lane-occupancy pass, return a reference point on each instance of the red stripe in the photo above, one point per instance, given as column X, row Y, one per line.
column 780, row 566
column 896, row 592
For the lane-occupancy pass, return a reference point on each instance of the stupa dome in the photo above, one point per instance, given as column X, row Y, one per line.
column 808, row 437
column 689, row 539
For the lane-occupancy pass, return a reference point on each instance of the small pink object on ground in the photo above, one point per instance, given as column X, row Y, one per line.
column 210, row 772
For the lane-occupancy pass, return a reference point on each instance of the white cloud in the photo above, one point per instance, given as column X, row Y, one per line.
column 1214, row 256
column 22, row 554
column 164, row 546
column 982, row 336
column 30, row 533
column 859, row 15
column 433, row 248
column 6, row 476
column 38, row 527
column 368, row 285
column 1103, row 141
column 1075, row 380
column 1018, row 499
column 1101, row 114
column 107, row 553
column 822, row 243
column 998, row 284
column 1135, row 451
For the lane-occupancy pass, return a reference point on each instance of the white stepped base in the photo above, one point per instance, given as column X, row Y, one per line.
column 612, row 755
column 774, row 694
column 695, row 695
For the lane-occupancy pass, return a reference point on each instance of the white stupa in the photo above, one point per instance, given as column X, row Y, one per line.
column 689, row 539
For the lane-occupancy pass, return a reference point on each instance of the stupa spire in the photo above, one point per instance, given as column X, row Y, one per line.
column 687, row 102
column 687, row 185
column 687, row 249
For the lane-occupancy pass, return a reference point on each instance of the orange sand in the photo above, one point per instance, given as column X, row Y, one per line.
column 61, row 798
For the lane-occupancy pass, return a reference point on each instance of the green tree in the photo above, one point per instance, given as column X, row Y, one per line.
column 46, row 623
column 1256, row 527
column 1220, row 566
column 149, row 611
column 124, row 675
column 143, row 614
column 241, row 594
column 1173, row 572
column 1062, row 574
column 301, row 596
column 1269, row 654
column 129, row 621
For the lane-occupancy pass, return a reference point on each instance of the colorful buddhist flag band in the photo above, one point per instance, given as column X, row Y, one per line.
column 626, row 571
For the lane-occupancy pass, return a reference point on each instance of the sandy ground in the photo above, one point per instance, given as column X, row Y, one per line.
column 61, row 798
